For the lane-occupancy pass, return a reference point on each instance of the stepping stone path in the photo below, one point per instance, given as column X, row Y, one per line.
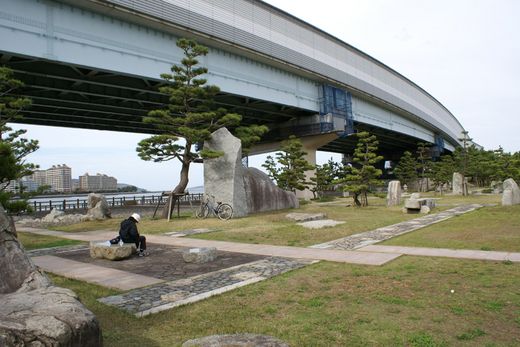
column 385, row 233
column 166, row 295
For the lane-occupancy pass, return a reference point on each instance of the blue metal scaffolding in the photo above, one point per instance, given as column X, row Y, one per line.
column 337, row 103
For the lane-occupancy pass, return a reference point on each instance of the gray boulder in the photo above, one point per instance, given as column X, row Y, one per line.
column 247, row 190
column 511, row 194
column 263, row 195
column 223, row 176
column 52, row 216
column 104, row 250
column 33, row 312
column 97, row 207
column 199, row 255
column 459, row 184
column 17, row 271
column 393, row 197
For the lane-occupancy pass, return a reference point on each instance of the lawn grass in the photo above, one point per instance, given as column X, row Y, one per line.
column 274, row 229
column 490, row 229
column 406, row 302
column 34, row 241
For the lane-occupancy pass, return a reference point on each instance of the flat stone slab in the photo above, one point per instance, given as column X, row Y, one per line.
column 104, row 250
column 199, row 255
column 236, row 340
column 189, row 232
column 305, row 217
column 319, row 224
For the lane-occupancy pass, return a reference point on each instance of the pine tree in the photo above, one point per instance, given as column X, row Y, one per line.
column 363, row 175
column 424, row 163
column 325, row 177
column 13, row 147
column 442, row 172
column 406, row 169
column 191, row 115
column 288, row 170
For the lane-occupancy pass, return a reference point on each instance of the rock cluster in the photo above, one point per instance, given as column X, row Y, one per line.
column 417, row 205
column 247, row 190
column 511, row 194
column 97, row 207
column 97, row 210
column 33, row 312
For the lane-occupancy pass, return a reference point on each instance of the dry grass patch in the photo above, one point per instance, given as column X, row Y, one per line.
column 407, row 302
column 489, row 229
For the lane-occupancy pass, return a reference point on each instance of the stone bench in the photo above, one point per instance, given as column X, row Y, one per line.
column 422, row 205
column 199, row 255
column 104, row 250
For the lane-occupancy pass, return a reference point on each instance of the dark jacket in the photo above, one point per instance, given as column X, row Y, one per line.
column 128, row 231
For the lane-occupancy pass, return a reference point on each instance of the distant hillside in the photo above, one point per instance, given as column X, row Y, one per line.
column 124, row 185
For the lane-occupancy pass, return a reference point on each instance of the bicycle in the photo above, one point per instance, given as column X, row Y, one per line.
column 221, row 210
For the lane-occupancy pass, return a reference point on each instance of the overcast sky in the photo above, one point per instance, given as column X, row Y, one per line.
column 466, row 53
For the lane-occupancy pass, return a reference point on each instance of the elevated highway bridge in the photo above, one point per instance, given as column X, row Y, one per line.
column 95, row 64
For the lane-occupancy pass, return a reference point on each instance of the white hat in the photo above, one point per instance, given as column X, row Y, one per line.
column 136, row 217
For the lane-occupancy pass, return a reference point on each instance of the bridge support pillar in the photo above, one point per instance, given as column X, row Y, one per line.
column 311, row 145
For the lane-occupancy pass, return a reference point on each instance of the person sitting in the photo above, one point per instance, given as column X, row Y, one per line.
column 129, row 234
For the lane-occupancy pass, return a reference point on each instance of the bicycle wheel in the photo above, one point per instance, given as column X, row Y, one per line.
column 225, row 211
column 202, row 211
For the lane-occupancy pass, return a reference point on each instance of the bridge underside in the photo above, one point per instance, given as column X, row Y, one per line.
column 67, row 95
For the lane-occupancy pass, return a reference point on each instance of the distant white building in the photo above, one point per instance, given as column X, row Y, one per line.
column 98, row 182
column 59, row 178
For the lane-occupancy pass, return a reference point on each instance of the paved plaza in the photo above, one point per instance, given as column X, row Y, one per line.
column 163, row 280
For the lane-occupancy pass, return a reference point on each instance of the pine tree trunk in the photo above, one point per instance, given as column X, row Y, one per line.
column 183, row 182
column 356, row 200
column 179, row 189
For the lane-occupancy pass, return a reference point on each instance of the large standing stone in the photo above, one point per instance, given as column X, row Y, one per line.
column 247, row 190
column 97, row 206
column 32, row 311
column 459, row 184
column 393, row 197
column 511, row 194
column 223, row 176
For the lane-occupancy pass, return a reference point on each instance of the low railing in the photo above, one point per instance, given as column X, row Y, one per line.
column 78, row 204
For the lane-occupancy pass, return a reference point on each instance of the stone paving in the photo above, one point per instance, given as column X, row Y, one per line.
column 166, row 295
column 374, row 236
